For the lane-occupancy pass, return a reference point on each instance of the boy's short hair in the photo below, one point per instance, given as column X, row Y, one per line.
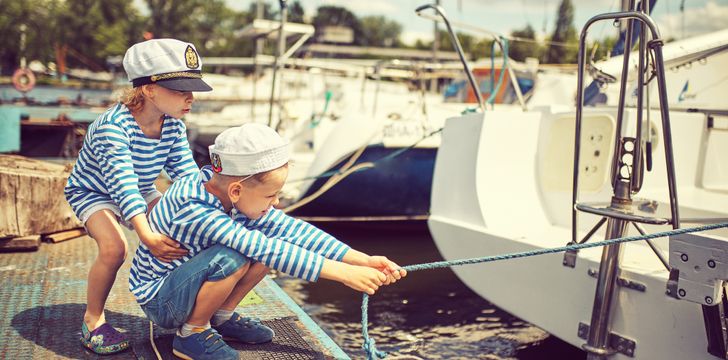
column 248, row 149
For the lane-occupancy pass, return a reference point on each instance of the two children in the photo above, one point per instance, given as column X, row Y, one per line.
column 225, row 217
column 124, row 151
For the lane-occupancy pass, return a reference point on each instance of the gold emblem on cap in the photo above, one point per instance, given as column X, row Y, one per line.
column 191, row 58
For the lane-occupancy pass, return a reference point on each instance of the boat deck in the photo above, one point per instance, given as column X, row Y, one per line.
column 43, row 294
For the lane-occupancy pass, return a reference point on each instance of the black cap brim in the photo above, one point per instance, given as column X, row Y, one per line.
column 184, row 84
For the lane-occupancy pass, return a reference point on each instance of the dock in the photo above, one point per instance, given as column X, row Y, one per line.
column 43, row 296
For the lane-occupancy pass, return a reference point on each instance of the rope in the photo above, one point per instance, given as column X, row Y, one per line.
column 369, row 345
column 315, row 122
column 504, row 50
column 151, row 340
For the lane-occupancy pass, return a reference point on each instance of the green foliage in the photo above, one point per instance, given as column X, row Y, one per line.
column 295, row 12
column 472, row 46
column 37, row 15
column 338, row 16
column 565, row 33
column 379, row 31
column 603, row 48
column 93, row 30
column 519, row 50
column 173, row 18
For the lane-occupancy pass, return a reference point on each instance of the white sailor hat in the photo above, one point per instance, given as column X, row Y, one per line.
column 248, row 149
column 170, row 63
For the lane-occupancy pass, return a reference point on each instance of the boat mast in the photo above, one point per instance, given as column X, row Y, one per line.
column 281, row 50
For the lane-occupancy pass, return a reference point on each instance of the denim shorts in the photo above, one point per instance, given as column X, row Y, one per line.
column 173, row 303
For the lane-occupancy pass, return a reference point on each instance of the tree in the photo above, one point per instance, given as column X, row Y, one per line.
column 89, row 31
column 604, row 47
column 379, row 31
column 337, row 16
column 38, row 18
column 173, row 18
column 520, row 50
column 295, row 12
column 565, row 33
column 467, row 42
column 268, row 12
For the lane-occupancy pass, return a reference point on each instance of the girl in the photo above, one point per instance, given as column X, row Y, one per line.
column 124, row 151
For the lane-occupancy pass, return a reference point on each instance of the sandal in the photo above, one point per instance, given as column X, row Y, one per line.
column 104, row 339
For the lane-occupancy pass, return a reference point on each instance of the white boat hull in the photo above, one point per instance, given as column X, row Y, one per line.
column 492, row 195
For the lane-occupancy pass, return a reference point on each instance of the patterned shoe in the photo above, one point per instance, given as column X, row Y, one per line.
column 245, row 330
column 203, row 346
column 104, row 339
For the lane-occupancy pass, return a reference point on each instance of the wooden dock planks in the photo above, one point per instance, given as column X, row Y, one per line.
column 23, row 243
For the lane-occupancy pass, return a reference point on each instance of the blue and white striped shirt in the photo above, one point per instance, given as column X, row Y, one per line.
column 119, row 163
column 196, row 219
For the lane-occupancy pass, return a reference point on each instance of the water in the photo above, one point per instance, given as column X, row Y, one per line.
column 430, row 314
column 46, row 94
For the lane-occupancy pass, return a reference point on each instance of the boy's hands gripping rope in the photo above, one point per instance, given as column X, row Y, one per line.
column 360, row 278
column 364, row 278
column 389, row 268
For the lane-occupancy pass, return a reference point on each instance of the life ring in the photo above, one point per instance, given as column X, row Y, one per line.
column 23, row 80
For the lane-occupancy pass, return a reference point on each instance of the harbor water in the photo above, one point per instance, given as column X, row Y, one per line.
column 430, row 314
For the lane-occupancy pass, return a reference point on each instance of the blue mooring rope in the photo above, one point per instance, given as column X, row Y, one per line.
column 369, row 345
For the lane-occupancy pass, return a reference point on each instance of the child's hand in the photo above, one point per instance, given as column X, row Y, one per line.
column 362, row 278
column 164, row 248
column 393, row 271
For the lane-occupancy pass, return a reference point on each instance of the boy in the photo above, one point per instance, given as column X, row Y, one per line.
column 225, row 217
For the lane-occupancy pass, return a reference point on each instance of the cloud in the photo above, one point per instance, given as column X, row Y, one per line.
column 694, row 21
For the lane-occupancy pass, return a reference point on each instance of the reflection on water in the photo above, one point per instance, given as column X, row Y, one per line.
column 431, row 314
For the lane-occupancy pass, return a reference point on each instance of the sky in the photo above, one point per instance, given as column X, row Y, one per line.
column 503, row 16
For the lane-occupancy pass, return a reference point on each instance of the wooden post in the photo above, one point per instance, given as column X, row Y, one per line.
column 31, row 197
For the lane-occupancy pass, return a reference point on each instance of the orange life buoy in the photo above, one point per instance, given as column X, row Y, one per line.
column 23, row 80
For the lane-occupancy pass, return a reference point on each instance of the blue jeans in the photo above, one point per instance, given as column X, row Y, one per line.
column 173, row 303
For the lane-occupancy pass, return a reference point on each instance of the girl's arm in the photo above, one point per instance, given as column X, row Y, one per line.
column 161, row 246
column 111, row 146
column 180, row 162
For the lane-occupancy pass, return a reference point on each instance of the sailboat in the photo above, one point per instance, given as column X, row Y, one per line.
column 551, row 176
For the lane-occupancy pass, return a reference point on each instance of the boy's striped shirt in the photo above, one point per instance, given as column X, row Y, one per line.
column 196, row 219
column 118, row 162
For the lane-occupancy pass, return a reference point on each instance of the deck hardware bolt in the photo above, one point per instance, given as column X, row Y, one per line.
column 684, row 257
column 681, row 292
column 711, row 263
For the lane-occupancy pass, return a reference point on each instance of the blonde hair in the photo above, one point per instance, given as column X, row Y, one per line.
column 134, row 98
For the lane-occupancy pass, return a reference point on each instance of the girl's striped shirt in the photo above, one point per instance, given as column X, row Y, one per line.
column 196, row 219
column 119, row 163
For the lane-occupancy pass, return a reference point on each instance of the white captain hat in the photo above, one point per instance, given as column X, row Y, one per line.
column 248, row 149
column 170, row 63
